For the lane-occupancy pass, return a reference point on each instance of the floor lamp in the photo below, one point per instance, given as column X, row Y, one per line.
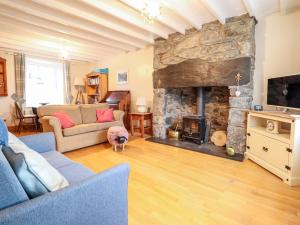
column 79, row 85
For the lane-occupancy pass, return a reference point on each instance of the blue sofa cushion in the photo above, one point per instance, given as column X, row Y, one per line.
column 3, row 133
column 30, row 182
column 75, row 172
column 11, row 191
column 38, row 165
column 56, row 159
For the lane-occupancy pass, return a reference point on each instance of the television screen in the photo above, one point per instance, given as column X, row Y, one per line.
column 284, row 91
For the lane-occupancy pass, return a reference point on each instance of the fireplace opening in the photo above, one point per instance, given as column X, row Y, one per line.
column 192, row 115
column 194, row 126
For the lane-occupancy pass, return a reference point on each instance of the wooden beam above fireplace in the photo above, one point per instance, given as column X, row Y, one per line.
column 198, row 72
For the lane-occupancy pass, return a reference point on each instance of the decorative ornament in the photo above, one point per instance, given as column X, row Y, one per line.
column 272, row 126
column 230, row 151
column 238, row 78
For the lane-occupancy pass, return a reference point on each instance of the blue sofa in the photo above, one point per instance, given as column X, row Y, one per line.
column 90, row 199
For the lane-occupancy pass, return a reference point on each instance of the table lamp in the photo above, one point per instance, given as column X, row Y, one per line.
column 141, row 104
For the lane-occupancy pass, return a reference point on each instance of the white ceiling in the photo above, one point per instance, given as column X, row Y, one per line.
column 92, row 30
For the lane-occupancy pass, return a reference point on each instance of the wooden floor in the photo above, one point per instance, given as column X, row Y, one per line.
column 171, row 186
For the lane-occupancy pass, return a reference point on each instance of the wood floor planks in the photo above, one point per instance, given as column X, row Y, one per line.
column 171, row 186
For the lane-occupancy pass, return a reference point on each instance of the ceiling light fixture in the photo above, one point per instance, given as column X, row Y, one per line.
column 64, row 52
column 151, row 11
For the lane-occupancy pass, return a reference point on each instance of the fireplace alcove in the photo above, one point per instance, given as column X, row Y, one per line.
column 199, row 109
column 197, row 92
column 210, row 58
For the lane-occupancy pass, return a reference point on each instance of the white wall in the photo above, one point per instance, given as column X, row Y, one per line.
column 140, row 67
column 277, row 50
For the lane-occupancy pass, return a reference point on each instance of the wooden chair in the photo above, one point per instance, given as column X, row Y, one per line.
column 23, row 119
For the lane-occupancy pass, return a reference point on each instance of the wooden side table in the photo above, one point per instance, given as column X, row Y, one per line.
column 142, row 117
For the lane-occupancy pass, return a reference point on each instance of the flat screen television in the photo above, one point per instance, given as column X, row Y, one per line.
column 284, row 91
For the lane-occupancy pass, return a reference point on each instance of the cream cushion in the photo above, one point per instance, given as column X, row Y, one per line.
column 72, row 110
column 38, row 165
column 88, row 112
column 91, row 127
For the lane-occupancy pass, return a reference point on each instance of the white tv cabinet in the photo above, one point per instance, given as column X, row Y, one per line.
column 280, row 152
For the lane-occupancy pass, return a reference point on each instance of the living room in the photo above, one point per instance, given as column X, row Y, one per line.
column 149, row 112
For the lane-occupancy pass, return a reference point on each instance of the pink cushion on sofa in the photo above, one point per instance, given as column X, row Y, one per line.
column 104, row 115
column 65, row 119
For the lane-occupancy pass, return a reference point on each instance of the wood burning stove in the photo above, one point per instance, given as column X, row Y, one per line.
column 193, row 129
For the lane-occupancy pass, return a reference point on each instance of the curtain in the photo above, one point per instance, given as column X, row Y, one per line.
column 67, row 83
column 20, row 74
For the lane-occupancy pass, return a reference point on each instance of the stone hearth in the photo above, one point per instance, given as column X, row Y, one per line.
column 206, row 148
column 203, row 55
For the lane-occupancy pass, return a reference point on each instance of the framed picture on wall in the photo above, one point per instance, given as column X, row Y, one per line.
column 122, row 77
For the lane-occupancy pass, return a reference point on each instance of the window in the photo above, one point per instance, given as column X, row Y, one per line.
column 44, row 82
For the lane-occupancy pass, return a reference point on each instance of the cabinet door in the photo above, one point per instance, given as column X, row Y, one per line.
column 255, row 144
column 270, row 150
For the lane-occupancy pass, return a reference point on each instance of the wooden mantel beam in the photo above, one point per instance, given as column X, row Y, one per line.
column 198, row 72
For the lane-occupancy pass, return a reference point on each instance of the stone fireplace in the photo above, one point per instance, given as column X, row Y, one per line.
column 208, row 58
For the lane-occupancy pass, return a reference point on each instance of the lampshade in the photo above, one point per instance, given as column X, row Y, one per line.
column 141, row 101
column 78, row 81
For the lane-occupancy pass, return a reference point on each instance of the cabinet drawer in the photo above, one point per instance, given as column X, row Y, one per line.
column 268, row 149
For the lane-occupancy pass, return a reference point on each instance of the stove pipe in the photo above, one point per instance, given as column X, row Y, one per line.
column 200, row 101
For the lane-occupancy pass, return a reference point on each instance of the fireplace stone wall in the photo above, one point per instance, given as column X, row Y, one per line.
column 214, row 42
column 181, row 102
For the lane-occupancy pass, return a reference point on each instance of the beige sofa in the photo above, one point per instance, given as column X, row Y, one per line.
column 86, row 131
